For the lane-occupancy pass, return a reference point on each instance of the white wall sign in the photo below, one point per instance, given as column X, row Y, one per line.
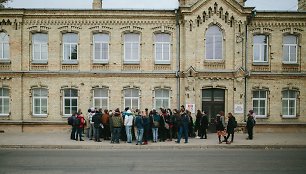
column 238, row 109
column 191, row 108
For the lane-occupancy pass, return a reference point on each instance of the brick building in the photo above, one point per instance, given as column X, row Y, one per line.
column 212, row 55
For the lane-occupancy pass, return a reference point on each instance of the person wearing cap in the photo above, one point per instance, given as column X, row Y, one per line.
column 128, row 123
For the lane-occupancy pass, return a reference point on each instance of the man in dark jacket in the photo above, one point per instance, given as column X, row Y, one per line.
column 97, row 122
column 231, row 125
column 204, row 126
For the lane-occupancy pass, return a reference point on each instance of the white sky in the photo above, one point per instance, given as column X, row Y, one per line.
column 141, row 4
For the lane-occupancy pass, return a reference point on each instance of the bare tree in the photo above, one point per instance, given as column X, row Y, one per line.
column 2, row 2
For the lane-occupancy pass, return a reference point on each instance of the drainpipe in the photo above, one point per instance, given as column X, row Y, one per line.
column 246, row 70
column 249, row 19
column 178, row 55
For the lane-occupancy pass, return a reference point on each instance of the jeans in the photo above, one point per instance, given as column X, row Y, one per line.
column 139, row 135
column 182, row 129
column 73, row 132
column 155, row 134
column 116, row 134
column 91, row 130
column 79, row 133
column 97, row 133
column 128, row 130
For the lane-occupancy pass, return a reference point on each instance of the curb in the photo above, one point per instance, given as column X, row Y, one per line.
column 148, row 147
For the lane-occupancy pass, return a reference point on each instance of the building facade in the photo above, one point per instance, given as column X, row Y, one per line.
column 211, row 55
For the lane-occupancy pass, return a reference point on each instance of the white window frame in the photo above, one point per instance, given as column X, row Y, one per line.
column 71, row 45
column 258, row 114
column 70, row 98
column 101, row 44
column 214, row 37
column 261, row 47
column 162, row 99
column 40, row 45
column 40, row 98
column 163, row 44
column 101, row 98
column 290, row 48
column 4, row 43
column 2, row 102
column 134, row 57
column 288, row 100
column 131, row 98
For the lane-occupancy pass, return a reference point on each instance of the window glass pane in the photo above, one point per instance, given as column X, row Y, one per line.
column 286, row 53
column 4, row 38
column 290, row 39
column 263, row 94
column 127, row 103
column 260, row 39
column 218, row 95
column 74, row 52
column 292, row 94
column 97, row 103
column 255, row 103
column 158, row 103
column 70, row 38
column 135, row 93
column 101, row 37
column 67, row 52
column 135, row 103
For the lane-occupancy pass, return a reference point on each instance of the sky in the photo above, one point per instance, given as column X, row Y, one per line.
column 289, row 5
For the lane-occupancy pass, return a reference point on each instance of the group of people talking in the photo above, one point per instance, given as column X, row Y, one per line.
column 144, row 126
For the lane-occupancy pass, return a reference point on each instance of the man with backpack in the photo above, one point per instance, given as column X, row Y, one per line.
column 96, row 119
column 79, row 123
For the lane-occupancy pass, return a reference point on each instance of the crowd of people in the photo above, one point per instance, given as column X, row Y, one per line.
column 155, row 125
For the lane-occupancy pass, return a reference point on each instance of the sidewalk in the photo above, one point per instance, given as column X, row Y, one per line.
column 62, row 141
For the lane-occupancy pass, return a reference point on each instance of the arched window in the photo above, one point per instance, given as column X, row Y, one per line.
column 131, row 48
column 40, row 47
column 4, row 102
column 101, row 48
column 162, row 98
column 70, row 47
column 214, row 43
column 40, row 102
column 290, row 49
column 4, row 46
column 162, row 48
column 100, row 98
column 70, row 101
column 131, row 98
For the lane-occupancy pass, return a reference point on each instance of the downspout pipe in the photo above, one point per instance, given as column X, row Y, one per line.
column 246, row 76
column 178, row 55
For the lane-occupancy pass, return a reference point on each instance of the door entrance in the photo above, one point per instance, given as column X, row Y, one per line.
column 213, row 101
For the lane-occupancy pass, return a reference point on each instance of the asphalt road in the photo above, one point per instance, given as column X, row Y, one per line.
column 210, row 161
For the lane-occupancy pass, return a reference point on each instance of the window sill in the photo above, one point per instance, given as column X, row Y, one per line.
column 70, row 62
column 291, row 64
column 219, row 61
column 39, row 116
column 5, row 61
column 290, row 117
column 131, row 62
column 100, row 62
column 260, row 64
column 42, row 62
column 162, row 63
